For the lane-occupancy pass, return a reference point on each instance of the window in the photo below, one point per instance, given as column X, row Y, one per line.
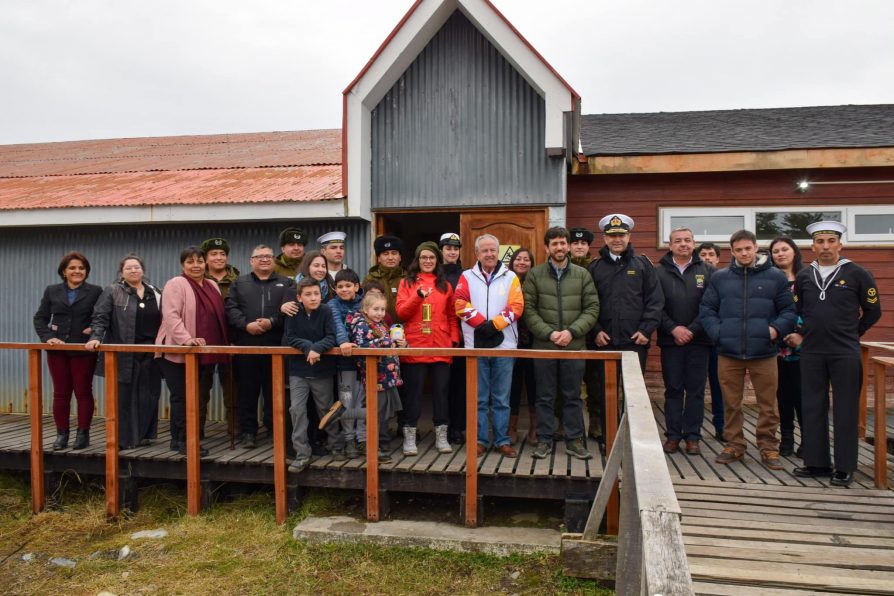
column 866, row 224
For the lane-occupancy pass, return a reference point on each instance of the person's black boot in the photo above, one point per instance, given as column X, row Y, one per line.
column 61, row 440
column 82, row 440
column 787, row 443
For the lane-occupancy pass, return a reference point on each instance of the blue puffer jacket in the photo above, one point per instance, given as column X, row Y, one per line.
column 741, row 304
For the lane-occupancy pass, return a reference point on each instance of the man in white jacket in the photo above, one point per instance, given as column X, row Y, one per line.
column 489, row 303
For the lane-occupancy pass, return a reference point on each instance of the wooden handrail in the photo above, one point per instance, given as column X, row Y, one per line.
column 865, row 346
column 193, row 465
column 880, row 468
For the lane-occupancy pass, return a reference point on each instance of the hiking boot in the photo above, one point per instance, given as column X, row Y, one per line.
column 576, row 448
column 671, row 446
column 692, row 447
column 334, row 413
column 384, row 456
column 300, row 464
column 350, row 449
column 542, row 450
column 728, row 456
column 409, row 447
column 61, row 440
column 441, row 442
column 82, row 439
column 771, row 460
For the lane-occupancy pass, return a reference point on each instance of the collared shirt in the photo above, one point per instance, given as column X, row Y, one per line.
column 614, row 257
column 682, row 268
column 559, row 272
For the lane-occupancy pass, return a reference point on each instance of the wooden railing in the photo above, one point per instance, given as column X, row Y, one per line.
column 650, row 558
column 278, row 354
column 878, row 365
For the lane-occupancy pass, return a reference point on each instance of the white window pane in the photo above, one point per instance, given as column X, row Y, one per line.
column 790, row 223
column 875, row 223
column 708, row 225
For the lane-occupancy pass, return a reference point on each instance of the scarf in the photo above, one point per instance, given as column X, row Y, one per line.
column 210, row 322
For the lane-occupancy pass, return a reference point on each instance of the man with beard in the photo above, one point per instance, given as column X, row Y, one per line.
column 561, row 307
column 630, row 302
column 291, row 247
column 838, row 301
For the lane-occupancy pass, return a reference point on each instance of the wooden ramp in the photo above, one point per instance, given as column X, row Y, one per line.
column 761, row 539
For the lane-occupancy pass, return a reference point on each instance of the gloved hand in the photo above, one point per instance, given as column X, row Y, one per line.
column 487, row 329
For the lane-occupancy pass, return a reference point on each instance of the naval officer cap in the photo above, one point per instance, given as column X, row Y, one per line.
column 332, row 238
column 215, row 244
column 578, row 234
column 449, row 239
column 383, row 243
column 826, row 227
column 292, row 236
column 616, row 223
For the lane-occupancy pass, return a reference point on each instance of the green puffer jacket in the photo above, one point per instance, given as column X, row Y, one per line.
column 555, row 305
column 390, row 278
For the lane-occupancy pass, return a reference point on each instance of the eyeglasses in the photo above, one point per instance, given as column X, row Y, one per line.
column 263, row 257
column 428, row 258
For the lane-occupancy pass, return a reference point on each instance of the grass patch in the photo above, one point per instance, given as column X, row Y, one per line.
column 234, row 548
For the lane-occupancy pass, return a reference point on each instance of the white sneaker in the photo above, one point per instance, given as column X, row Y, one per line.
column 409, row 447
column 441, row 442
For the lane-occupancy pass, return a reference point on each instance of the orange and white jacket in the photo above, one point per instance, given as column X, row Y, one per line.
column 497, row 297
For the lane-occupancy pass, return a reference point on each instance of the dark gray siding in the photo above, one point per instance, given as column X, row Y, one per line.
column 29, row 258
column 461, row 127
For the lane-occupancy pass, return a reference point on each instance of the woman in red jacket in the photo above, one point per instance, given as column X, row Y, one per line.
column 425, row 305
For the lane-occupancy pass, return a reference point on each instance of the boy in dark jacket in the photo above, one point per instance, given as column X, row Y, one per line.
column 312, row 331
column 345, row 307
column 685, row 347
column 745, row 310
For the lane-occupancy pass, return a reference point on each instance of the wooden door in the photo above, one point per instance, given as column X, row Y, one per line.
column 513, row 228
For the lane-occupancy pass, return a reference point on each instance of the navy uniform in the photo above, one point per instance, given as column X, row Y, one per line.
column 630, row 300
column 837, row 304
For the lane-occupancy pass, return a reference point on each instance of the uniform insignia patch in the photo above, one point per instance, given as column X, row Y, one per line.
column 699, row 281
column 841, row 282
column 871, row 295
column 631, row 272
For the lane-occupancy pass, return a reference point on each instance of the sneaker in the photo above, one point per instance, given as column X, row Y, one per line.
column 350, row 449
column 542, row 450
column 441, row 442
column 728, row 456
column 576, row 448
column 384, row 456
column 409, row 446
column 339, row 455
column 840, row 478
column 248, row 441
column 300, row 463
column 771, row 460
column 361, row 447
column 334, row 413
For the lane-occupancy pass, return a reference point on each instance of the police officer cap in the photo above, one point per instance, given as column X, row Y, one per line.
column 449, row 239
column 581, row 234
column 826, row 227
column 215, row 244
column 616, row 223
column 383, row 243
column 292, row 235
column 332, row 237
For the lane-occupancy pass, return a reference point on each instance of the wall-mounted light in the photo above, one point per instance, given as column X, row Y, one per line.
column 804, row 185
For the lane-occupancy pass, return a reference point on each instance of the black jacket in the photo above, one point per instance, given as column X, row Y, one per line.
column 682, row 295
column 55, row 317
column 742, row 303
column 850, row 308
column 251, row 298
column 314, row 331
column 630, row 297
column 452, row 271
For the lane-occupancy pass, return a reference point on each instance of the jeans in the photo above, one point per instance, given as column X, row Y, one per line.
column 567, row 375
column 494, row 382
column 684, row 369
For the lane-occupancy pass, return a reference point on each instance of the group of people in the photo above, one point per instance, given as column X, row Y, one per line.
column 766, row 314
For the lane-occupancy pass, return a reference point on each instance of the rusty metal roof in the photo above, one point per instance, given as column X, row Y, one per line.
column 188, row 170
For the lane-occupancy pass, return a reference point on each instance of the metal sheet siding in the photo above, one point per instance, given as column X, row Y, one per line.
column 462, row 127
column 29, row 258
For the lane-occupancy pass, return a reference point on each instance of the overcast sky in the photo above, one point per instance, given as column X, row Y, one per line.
column 86, row 69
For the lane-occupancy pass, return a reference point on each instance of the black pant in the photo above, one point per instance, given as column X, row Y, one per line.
column 788, row 394
column 254, row 376
column 414, row 379
column 174, row 374
column 522, row 377
column 685, row 370
column 845, row 372
column 456, row 396
column 567, row 375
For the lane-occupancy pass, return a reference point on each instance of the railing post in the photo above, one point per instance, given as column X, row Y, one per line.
column 279, row 438
column 629, row 565
column 471, row 442
column 35, row 403
column 193, row 483
column 881, row 440
column 372, row 439
column 861, row 416
column 611, row 431
column 113, row 505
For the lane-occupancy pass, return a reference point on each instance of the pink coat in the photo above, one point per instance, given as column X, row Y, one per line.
column 178, row 315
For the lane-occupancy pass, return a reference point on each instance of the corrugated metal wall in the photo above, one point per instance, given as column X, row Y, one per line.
column 461, row 127
column 29, row 258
